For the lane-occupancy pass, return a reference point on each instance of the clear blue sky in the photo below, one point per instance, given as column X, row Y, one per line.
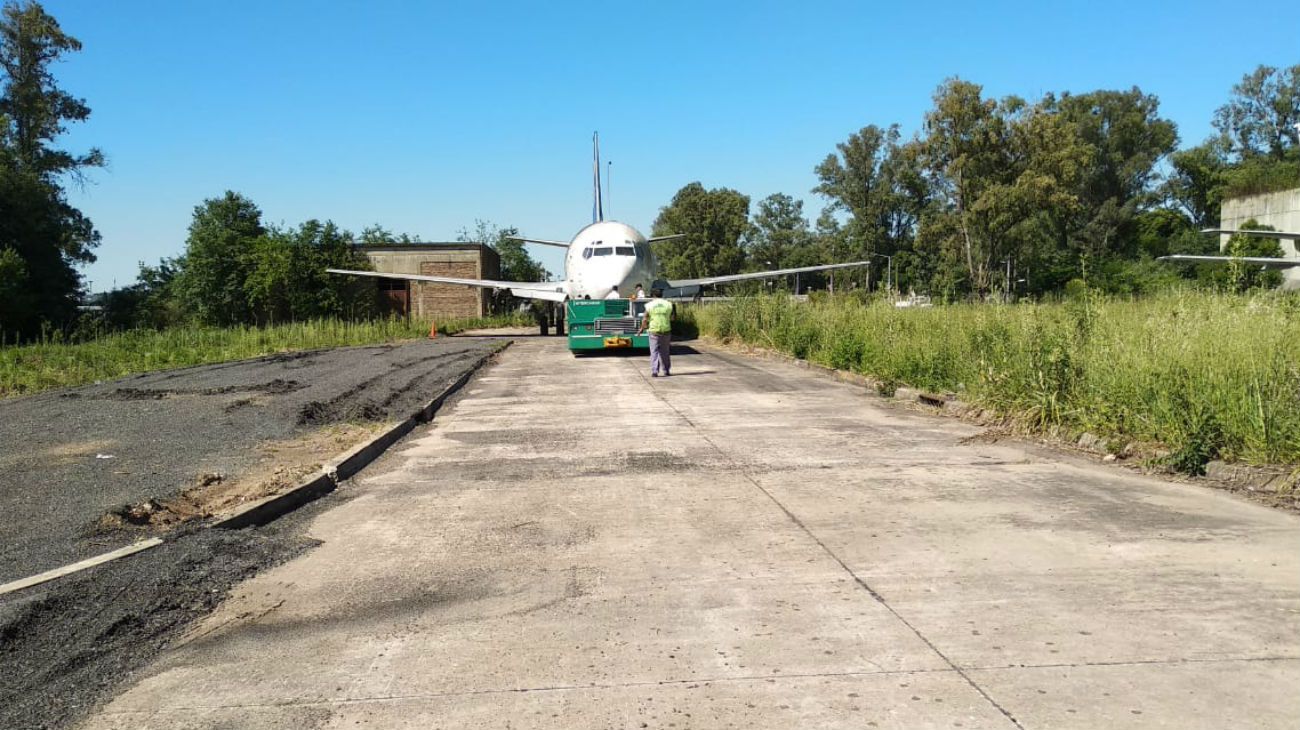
column 425, row 116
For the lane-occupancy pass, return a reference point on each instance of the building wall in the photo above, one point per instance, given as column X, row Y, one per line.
column 1279, row 210
column 441, row 301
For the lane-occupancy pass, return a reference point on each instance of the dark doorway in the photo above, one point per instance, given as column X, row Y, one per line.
column 395, row 297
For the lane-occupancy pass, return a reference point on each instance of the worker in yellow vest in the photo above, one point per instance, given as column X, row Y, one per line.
column 658, row 319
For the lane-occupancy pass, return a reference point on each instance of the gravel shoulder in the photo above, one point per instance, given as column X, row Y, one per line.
column 71, row 459
column 67, row 645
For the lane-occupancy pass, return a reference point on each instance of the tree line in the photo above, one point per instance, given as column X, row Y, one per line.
column 235, row 269
column 990, row 196
column 997, row 196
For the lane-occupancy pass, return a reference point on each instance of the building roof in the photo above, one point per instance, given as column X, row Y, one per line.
column 423, row 246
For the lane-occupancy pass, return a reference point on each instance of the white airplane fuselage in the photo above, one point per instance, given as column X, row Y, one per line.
column 606, row 255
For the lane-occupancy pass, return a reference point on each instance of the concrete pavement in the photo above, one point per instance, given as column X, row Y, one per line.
column 745, row 544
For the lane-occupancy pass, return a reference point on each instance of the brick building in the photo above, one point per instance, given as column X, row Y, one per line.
column 426, row 299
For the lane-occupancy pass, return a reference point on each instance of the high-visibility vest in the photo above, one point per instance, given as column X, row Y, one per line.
column 661, row 313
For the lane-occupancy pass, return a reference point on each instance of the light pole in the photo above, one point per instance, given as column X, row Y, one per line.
column 889, row 271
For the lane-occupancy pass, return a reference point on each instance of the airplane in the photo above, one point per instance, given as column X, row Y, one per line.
column 1267, row 262
column 604, row 257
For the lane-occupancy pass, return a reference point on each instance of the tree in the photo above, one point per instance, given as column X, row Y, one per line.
column 1125, row 139
column 158, row 307
column 31, row 40
column 15, row 291
column 1195, row 182
column 287, row 279
column 713, row 222
column 1260, row 118
column 1156, row 229
column 779, row 235
column 218, row 258
column 376, row 234
column 1240, row 277
column 36, row 222
column 882, row 187
column 1001, row 170
column 516, row 263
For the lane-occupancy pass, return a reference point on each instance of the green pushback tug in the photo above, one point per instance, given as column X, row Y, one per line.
column 605, row 324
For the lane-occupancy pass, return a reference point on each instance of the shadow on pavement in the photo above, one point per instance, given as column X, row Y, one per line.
column 677, row 350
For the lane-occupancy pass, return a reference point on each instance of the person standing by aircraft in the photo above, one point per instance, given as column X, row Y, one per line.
column 658, row 319
column 613, row 294
column 640, row 293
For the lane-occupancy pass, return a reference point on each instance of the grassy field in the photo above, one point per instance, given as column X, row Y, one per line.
column 1202, row 375
column 35, row 367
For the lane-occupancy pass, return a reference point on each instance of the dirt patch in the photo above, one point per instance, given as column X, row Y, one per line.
column 317, row 413
column 281, row 466
column 66, row 453
column 79, row 449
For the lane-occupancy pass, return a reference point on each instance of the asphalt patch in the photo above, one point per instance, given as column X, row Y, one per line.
column 68, row 647
column 72, row 457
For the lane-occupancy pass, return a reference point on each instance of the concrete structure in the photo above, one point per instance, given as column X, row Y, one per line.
column 1280, row 210
column 745, row 544
column 435, row 301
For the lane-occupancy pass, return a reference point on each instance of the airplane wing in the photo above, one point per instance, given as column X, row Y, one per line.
column 688, row 283
column 1265, row 261
column 1251, row 232
column 543, row 241
column 553, row 291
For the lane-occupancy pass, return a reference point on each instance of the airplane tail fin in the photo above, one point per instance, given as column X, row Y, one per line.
column 597, row 206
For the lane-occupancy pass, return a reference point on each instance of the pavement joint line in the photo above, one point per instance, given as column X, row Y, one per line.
column 549, row 688
column 1136, row 663
column 339, row 469
column 826, row 549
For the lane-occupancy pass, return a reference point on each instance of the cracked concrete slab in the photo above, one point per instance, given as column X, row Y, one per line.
column 746, row 544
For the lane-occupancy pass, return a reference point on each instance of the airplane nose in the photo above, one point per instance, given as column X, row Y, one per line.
column 628, row 269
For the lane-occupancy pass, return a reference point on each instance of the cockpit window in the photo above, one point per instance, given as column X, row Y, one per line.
column 603, row 251
column 626, row 251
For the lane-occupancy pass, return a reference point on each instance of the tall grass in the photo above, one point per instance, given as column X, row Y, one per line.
column 1204, row 375
column 55, row 363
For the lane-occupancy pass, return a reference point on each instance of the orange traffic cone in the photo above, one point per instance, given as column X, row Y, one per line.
column 433, row 330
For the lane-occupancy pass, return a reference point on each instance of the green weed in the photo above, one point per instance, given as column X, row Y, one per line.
column 1207, row 375
column 56, row 363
